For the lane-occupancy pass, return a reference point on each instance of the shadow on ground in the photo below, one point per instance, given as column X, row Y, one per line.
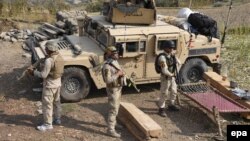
column 12, row 88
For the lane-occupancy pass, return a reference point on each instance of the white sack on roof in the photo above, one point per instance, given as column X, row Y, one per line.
column 184, row 13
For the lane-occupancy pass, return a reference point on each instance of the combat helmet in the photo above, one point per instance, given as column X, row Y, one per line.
column 51, row 46
column 167, row 44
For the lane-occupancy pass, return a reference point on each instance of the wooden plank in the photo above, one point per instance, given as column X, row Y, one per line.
column 54, row 27
column 138, row 121
column 131, row 127
column 42, row 37
column 224, row 87
column 50, row 31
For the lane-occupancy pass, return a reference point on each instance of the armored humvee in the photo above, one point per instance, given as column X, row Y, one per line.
column 141, row 43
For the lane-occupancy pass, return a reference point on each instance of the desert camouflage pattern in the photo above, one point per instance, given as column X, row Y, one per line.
column 168, row 84
column 51, row 103
column 113, row 89
column 51, row 90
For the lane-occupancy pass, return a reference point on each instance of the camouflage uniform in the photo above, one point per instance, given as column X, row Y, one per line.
column 113, row 89
column 113, row 78
column 168, row 83
column 51, row 91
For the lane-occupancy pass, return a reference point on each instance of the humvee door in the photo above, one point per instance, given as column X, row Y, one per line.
column 133, row 55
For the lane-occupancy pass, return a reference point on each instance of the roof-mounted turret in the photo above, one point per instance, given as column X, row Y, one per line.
column 130, row 11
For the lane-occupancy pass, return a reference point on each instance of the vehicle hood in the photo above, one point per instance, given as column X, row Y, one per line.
column 84, row 43
column 69, row 44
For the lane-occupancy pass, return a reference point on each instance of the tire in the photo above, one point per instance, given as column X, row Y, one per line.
column 75, row 84
column 192, row 71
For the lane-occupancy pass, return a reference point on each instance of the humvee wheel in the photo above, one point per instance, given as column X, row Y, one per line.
column 75, row 84
column 193, row 70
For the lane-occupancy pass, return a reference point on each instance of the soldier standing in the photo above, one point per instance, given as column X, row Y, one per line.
column 167, row 61
column 112, row 75
column 51, row 74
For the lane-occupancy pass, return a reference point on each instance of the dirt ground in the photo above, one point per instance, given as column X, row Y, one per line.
column 85, row 120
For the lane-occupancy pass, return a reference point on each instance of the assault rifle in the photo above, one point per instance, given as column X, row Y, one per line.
column 178, row 80
column 33, row 66
column 130, row 82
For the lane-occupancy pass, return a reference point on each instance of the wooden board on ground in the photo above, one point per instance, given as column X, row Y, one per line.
column 224, row 87
column 138, row 123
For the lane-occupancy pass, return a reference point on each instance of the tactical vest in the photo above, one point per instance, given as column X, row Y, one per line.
column 170, row 62
column 57, row 70
column 118, row 82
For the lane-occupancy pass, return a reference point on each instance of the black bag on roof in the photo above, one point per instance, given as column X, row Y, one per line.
column 203, row 24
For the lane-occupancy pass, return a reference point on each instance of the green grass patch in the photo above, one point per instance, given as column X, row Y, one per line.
column 94, row 6
column 236, row 58
column 242, row 30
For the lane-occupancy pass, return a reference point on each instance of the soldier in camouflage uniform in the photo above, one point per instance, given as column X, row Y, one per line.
column 112, row 75
column 51, row 87
column 168, row 84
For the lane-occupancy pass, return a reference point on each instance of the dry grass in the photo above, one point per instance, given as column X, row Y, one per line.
column 239, row 15
column 236, row 59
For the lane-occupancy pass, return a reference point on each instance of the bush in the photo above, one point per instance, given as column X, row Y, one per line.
column 94, row 6
column 218, row 4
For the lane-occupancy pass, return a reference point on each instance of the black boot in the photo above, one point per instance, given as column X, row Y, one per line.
column 162, row 112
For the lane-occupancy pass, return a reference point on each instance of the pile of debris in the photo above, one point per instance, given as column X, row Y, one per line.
column 66, row 25
column 15, row 35
column 67, row 20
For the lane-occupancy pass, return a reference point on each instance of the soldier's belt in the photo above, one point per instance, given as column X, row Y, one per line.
column 113, row 85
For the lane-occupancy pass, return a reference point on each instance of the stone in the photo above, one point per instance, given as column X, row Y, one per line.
column 37, row 89
column 28, row 32
column 22, row 92
column 6, row 38
column 13, row 40
column 26, row 55
column 38, row 103
column 2, row 35
column 39, row 111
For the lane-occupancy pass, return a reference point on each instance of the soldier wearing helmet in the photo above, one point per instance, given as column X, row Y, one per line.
column 112, row 75
column 168, row 85
column 51, row 74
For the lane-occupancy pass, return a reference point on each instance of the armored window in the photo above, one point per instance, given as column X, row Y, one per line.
column 132, row 47
column 102, row 37
column 91, row 28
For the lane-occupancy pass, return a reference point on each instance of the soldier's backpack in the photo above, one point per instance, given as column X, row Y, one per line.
column 203, row 24
column 157, row 65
